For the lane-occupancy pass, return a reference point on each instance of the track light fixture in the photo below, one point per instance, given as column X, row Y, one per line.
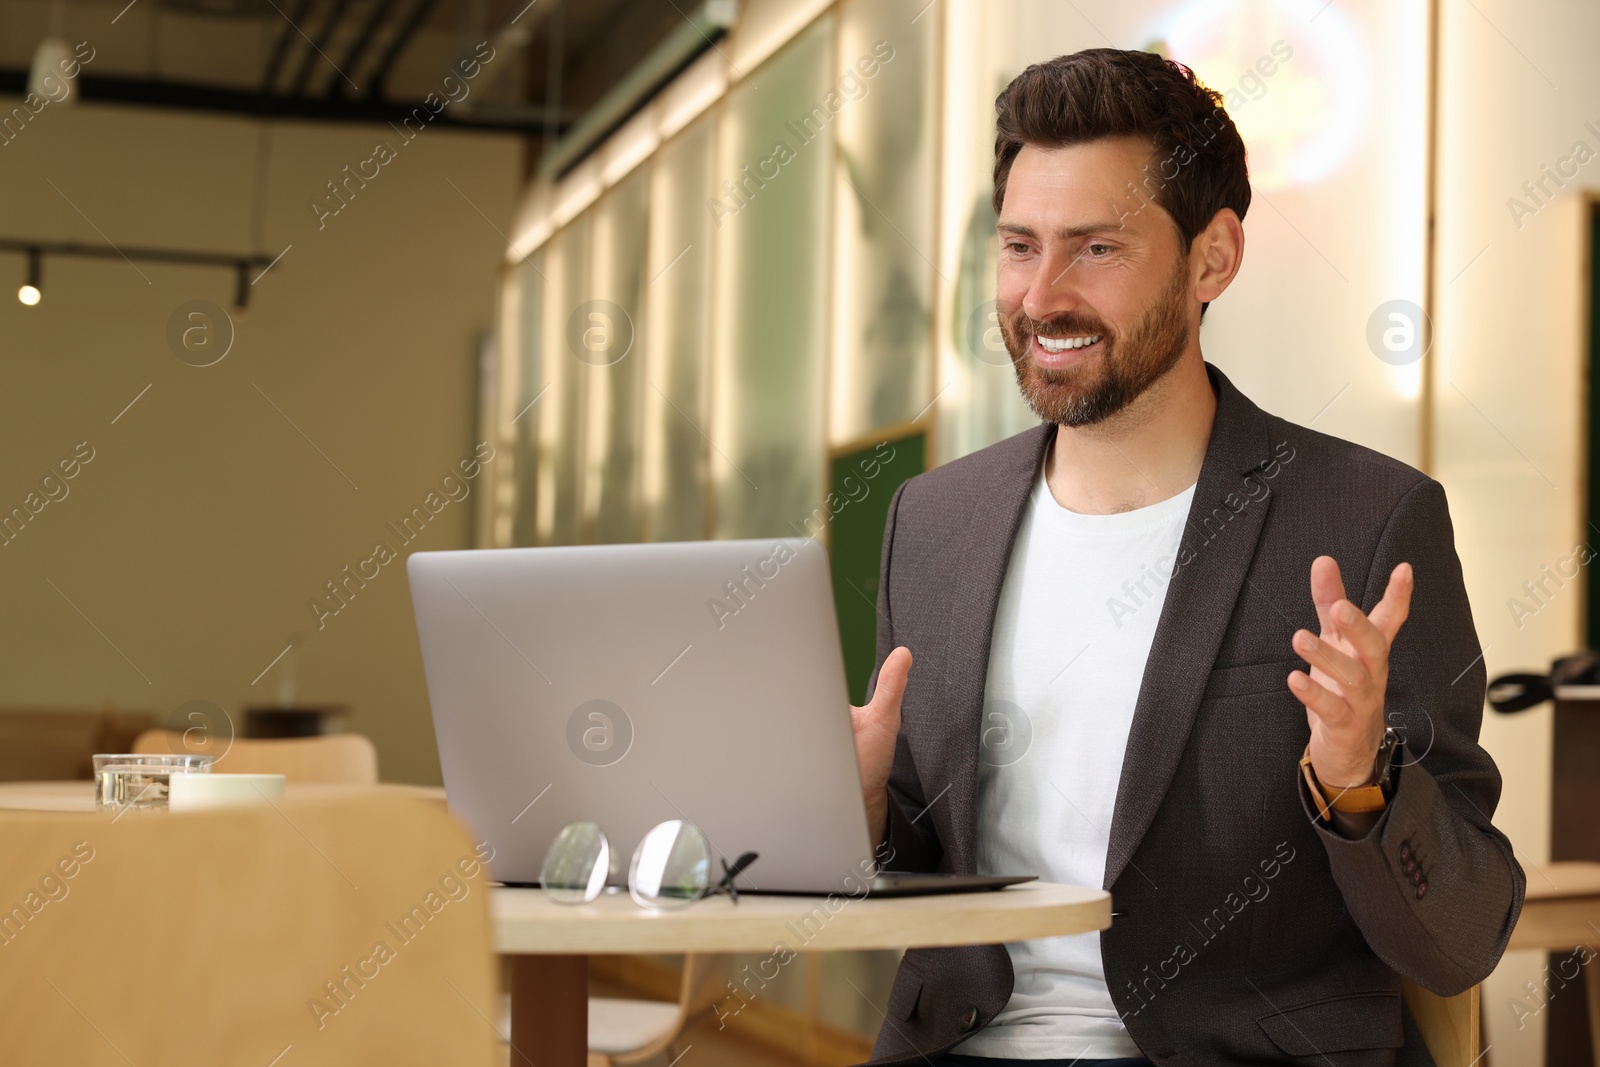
column 30, row 292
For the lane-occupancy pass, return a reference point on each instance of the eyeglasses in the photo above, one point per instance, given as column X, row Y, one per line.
column 671, row 868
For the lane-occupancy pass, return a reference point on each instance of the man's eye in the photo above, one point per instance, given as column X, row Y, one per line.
column 1099, row 250
column 1016, row 247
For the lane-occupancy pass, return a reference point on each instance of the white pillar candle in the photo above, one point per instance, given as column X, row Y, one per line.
column 195, row 792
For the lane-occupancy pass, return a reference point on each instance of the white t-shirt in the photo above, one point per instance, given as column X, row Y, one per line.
column 1077, row 614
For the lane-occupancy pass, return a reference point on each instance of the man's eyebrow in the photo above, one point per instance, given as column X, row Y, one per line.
column 1064, row 233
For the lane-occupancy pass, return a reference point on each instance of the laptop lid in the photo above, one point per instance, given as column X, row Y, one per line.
column 631, row 684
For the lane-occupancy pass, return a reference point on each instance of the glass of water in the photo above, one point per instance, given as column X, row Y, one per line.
column 140, row 781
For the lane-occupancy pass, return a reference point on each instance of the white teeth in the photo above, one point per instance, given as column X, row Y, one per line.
column 1061, row 344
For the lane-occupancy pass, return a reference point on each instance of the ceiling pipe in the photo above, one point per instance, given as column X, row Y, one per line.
column 324, row 34
column 693, row 37
column 358, row 47
column 396, row 46
column 280, row 47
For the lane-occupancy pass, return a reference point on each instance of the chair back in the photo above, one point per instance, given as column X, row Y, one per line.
column 1450, row 1026
column 334, row 931
column 702, row 983
column 58, row 745
column 348, row 759
column 705, row 975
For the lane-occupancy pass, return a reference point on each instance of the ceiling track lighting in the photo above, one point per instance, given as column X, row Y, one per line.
column 31, row 291
column 245, row 268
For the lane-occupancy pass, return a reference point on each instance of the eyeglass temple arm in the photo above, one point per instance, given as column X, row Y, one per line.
column 729, row 873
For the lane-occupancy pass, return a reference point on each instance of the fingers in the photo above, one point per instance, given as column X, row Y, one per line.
column 892, row 678
column 876, row 728
column 1339, row 616
column 1371, row 644
column 1395, row 607
column 1327, row 589
column 1350, row 671
column 1319, row 700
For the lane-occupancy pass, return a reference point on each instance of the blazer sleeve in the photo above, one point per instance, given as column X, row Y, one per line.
column 1433, row 885
column 909, row 844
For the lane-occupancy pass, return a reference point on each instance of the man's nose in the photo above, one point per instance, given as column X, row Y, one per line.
column 1053, row 288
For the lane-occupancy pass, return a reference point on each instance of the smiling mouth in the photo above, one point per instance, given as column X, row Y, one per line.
column 1057, row 345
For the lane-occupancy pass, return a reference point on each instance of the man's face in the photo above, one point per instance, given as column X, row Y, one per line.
column 1094, row 289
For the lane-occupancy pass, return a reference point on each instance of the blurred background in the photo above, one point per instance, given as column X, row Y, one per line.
column 306, row 285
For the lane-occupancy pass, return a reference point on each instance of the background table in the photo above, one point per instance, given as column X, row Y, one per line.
column 1574, row 838
column 1561, row 913
column 79, row 796
column 550, row 944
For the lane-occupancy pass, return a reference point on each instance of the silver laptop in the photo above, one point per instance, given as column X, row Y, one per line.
column 628, row 685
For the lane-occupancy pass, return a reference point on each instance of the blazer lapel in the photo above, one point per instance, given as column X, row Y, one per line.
column 1218, row 544
column 986, row 552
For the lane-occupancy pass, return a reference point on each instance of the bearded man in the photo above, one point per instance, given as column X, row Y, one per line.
column 1169, row 644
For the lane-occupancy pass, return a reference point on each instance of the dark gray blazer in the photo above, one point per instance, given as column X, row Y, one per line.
column 1244, row 931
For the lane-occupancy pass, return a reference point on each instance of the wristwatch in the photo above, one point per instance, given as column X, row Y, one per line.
column 1356, row 800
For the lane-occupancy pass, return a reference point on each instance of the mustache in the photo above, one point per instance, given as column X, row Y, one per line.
column 1066, row 324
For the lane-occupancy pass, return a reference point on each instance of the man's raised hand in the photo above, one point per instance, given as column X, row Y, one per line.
column 1344, row 692
column 877, row 725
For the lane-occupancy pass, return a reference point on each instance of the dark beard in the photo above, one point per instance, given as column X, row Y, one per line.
column 1085, row 395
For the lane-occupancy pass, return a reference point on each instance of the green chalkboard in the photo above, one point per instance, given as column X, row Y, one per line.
column 861, row 482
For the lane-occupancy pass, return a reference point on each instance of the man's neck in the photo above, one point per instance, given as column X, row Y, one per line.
column 1146, row 453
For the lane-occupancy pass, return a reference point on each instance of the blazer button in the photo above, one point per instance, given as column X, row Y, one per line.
column 1416, row 877
column 1405, row 850
column 1422, row 889
column 1409, row 865
column 969, row 1019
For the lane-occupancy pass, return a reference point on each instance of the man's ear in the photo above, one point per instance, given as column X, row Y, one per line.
column 1216, row 253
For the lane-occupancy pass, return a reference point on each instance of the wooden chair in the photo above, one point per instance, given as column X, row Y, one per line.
column 348, row 759
column 334, row 931
column 1451, row 1026
column 57, row 745
column 625, row 1030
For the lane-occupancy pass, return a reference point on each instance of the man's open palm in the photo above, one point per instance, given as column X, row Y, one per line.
column 1344, row 691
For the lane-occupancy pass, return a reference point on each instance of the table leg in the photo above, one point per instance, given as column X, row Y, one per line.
column 1591, row 982
column 549, row 1011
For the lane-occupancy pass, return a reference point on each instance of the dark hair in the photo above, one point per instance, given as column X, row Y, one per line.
column 1198, row 166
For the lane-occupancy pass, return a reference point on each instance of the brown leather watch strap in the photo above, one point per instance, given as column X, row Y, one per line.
column 1353, row 801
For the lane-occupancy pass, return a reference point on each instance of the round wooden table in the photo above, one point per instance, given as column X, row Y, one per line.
column 550, row 943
